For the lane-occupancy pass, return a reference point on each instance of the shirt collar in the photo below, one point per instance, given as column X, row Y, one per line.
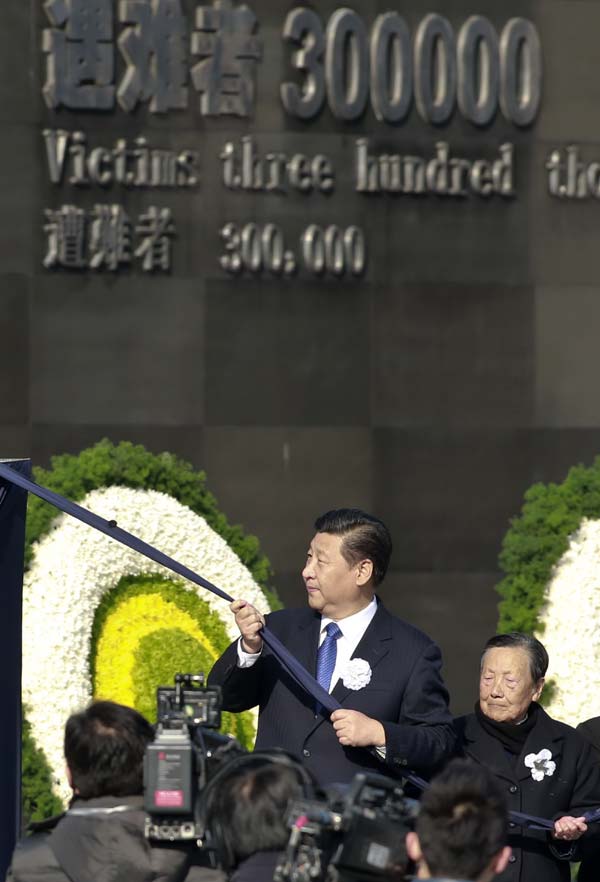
column 356, row 624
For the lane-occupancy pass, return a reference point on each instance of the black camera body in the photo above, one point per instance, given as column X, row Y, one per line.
column 177, row 764
column 356, row 835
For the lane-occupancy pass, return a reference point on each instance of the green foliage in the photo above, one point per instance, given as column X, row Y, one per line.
column 187, row 601
column 155, row 661
column 154, row 664
column 163, row 653
column 536, row 541
column 37, row 798
column 131, row 465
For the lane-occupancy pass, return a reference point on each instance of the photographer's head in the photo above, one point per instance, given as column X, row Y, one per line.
column 462, row 826
column 247, row 803
column 104, row 750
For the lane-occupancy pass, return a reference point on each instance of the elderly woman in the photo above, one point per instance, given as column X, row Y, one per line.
column 547, row 768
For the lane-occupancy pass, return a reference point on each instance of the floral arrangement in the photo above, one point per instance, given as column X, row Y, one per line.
column 101, row 620
column 551, row 557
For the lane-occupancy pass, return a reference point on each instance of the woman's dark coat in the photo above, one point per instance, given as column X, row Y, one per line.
column 572, row 789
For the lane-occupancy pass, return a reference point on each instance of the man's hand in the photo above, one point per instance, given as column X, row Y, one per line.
column 354, row 729
column 249, row 621
column 569, row 828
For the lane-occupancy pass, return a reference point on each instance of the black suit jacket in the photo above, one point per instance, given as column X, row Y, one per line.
column 572, row 789
column 589, row 870
column 590, row 729
column 406, row 694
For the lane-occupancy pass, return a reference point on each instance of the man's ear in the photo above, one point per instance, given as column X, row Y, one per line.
column 364, row 572
column 413, row 847
column 70, row 778
column 500, row 862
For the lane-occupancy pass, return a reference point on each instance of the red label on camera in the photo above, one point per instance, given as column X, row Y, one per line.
column 168, row 798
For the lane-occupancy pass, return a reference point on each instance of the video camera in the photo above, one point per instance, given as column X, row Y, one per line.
column 187, row 749
column 356, row 835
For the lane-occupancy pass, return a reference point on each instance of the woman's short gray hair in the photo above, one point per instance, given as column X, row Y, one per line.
column 538, row 657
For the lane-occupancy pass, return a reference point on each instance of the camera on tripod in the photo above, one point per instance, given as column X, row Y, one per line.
column 356, row 835
column 179, row 762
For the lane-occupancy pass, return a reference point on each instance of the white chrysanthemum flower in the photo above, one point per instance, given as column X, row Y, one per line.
column 571, row 635
column 74, row 566
column 356, row 674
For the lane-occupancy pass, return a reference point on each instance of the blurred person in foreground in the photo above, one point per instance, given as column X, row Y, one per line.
column 246, row 812
column 100, row 838
column 462, row 826
column 545, row 767
column 384, row 672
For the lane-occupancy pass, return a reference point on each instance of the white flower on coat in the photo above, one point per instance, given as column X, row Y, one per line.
column 357, row 674
column 541, row 764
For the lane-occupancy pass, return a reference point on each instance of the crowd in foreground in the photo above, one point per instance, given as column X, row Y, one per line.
column 460, row 830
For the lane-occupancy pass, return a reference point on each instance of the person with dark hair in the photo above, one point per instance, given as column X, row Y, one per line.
column 461, row 830
column 546, row 768
column 104, row 750
column 100, row 838
column 385, row 672
column 246, row 807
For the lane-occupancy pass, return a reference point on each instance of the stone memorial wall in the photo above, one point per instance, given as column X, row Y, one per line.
column 332, row 255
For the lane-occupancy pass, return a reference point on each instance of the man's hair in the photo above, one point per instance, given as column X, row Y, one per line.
column 538, row 657
column 463, row 821
column 104, row 750
column 364, row 537
column 246, row 812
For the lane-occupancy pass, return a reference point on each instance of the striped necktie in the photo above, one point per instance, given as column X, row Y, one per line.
column 327, row 655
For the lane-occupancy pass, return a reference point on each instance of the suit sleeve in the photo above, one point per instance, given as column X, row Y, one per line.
column 586, row 787
column 241, row 687
column 424, row 737
column 588, row 847
column 590, row 730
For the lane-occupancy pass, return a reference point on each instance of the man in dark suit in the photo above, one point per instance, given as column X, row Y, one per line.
column 385, row 672
column 589, row 871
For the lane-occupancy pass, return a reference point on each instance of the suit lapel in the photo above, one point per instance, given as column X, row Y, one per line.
column 304, row 640
column 373, row 646
column 544, row 735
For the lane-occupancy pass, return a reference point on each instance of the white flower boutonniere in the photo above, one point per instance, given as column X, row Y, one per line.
column 356, row 674
column 541, row 764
